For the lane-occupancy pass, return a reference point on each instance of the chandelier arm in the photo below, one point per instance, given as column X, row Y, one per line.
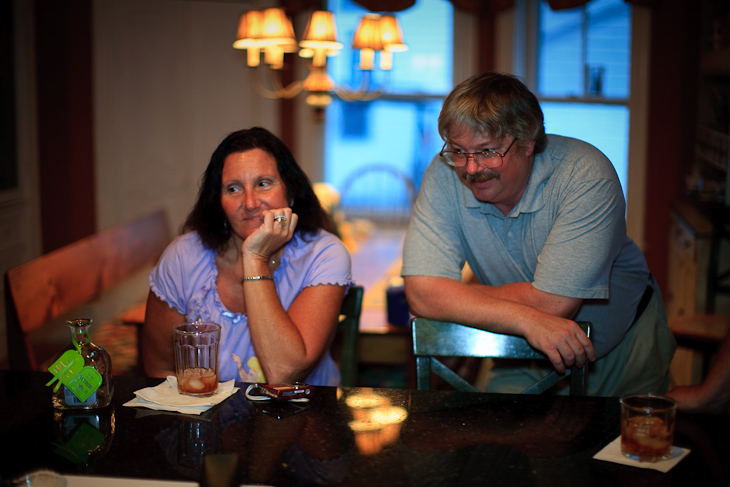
column 348, row 94
column 290, row 91
column 294, row 88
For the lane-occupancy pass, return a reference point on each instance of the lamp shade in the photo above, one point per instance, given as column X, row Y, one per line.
column 391, row 35
column 276, row 29
column 319, row 80
column 321, row 32
column 367, row 35
column 320, row 38
column 249, row 29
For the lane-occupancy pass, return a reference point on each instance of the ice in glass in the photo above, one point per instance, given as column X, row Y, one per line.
column 196, row 358
column 647, row 427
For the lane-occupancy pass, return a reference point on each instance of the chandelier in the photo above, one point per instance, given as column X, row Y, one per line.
column 270, row 32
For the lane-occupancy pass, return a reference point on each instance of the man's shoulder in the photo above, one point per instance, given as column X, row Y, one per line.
column 562, row 146
column 577, row 158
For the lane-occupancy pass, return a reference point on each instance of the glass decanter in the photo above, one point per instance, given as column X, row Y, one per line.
column 95, row 357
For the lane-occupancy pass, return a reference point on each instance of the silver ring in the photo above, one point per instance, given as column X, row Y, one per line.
column 281, row 219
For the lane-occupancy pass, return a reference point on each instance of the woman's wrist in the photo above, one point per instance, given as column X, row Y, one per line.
column 255, row 264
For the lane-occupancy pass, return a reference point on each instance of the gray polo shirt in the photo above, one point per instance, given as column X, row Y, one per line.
column 567, row 236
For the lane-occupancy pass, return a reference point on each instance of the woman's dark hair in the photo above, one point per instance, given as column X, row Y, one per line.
column 207, row 216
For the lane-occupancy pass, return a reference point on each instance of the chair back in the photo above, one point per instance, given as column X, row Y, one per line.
column 433, row 339
column 379, row 193
column 347, row 333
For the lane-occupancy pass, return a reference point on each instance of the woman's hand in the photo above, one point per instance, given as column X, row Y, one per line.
column 273, row 233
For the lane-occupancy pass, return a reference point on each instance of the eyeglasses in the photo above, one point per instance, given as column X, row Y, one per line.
column 489, row 158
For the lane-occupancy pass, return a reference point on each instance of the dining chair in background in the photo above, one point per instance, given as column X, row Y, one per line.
column 348, row 329
column 433, row 339
column 379, row 193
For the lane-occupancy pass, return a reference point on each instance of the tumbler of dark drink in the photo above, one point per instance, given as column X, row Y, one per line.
column 196, row 357
column 647, row 427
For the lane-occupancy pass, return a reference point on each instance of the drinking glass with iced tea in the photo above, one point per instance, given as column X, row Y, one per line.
column 647, row 427
column 196, row 357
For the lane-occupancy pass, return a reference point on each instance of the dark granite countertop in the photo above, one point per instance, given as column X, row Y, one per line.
column 349, row 436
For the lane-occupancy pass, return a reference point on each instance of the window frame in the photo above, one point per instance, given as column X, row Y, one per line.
column 525, row 35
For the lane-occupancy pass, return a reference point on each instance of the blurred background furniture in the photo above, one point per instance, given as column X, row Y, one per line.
column 44, row 289
column 698, row 296
column 380, row 194
column 345, row 351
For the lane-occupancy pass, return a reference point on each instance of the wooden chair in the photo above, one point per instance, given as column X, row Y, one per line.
column 347, row 333
column 55, row 283
column 433, row 339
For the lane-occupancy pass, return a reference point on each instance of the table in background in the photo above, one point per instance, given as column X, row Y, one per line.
column 353, row 437
column 374, row 263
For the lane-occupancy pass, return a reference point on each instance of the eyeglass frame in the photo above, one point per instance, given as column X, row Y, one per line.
column 450, row 160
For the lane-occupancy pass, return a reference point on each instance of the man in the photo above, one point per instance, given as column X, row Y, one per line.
column 540, row 221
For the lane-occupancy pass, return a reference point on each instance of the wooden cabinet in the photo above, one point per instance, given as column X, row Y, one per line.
column 689, row 258
column 697, row 298
column 688, row 294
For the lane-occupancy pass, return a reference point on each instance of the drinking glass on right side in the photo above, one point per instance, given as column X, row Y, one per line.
column 647, row 427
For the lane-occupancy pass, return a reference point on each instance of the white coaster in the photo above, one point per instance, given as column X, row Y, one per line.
column 612, row 453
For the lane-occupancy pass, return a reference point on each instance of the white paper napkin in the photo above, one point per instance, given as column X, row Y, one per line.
column 164, row 397
column 612, row 453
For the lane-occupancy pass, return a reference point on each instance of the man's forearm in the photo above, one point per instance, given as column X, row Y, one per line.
column 444, row 299
column 525, row 293
column 449, row 300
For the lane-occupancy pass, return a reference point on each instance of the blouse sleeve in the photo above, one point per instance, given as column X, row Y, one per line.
column 174, row 278
column 331, row 264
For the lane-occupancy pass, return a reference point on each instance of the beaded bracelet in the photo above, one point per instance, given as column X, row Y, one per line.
column 257, row 278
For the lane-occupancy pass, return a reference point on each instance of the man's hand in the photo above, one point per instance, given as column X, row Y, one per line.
column 563, row 341
column 488, row 308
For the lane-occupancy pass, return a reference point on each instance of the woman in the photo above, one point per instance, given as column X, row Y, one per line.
column 257, row 259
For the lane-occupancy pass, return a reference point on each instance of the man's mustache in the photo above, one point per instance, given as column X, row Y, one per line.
column 480, row 177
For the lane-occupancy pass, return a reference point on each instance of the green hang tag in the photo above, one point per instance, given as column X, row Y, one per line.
column 65, row 368
column 69, row 370
column 85, row 383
